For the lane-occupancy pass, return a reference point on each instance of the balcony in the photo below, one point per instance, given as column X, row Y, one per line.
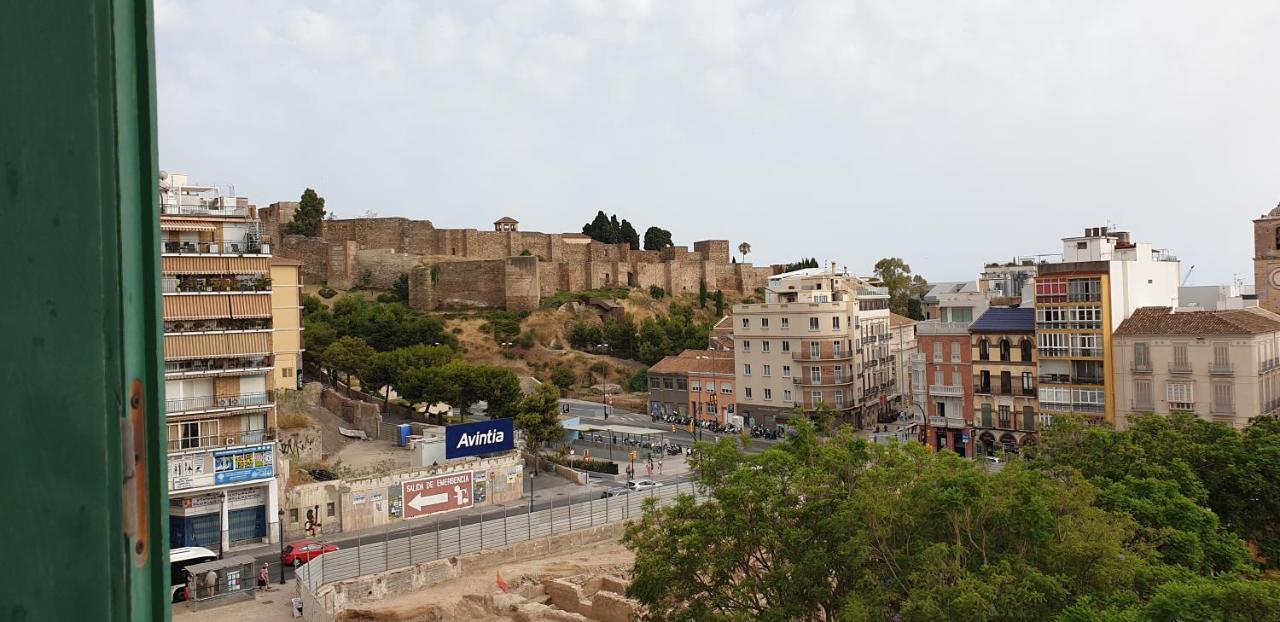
column 219, row 441
column 1140, row 368
column 1144, row 407
column 1182, row 407
column 982, row 389
column 1269, row 365
column 1222, row 409
column 173, row 209
column 214, row 285
column 217, row 367
column 1183, row 367
column 1221, row 369
column 822, row 356
column 943, row 390
column 1055, row 378
column 1088, row 380
column 215, row 247
column 948, row 422
column 216, row 402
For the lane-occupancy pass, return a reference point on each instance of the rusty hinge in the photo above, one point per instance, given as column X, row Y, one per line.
column 133, row 453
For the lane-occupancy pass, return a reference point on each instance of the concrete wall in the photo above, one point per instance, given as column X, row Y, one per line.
column 381, row 267
column 361, row 415
column 302, row 445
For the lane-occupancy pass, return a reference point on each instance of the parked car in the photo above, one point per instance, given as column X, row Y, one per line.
column 614, row 492
column 642, row 484
column 303, row 551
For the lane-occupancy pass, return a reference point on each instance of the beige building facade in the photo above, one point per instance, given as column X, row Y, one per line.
column 1222, row 366
column 286, row 322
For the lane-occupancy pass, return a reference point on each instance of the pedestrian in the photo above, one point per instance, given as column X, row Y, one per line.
column 659, row 467
column 262, row 578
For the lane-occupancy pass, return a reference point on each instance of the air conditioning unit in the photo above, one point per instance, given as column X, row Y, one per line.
column 229, row 441
column 222, row 401
column 213, row 248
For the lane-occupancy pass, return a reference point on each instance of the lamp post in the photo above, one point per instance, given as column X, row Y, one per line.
column 280, row 532
column 532, row 474
column 712, row 400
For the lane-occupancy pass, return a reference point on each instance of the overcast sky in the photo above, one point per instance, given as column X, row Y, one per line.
column 946, row 133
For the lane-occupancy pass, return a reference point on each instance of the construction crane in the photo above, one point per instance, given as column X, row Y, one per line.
column 1189, row 271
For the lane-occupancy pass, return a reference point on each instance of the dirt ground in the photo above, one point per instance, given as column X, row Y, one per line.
column 449, row 601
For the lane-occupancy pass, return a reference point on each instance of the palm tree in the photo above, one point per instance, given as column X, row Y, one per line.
column 744, row 248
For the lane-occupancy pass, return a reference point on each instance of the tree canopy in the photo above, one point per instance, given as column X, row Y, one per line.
column 309, row 216
column 538, row 418
column 827, row 528
column 610, row 230
column 895, row 274
column 656, row 239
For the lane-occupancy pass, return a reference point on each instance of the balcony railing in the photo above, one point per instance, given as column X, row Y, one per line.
column 1269, row 365
column 947, row 422
column 197, row 367
column 984, row 389
column 219, row 441
column 1091, row 380
column 1223, row 369
column 1055, row 378
column 822, row 356
column 1180, row 368
column 1138, row 406
column 215, row 247
column 1141, row 368
column 173, row 209
column 1189, row 407
column 1222, row 409
column 944, row 390
column 216, row 402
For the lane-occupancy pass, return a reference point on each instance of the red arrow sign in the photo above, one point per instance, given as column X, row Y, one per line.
column 437, row 494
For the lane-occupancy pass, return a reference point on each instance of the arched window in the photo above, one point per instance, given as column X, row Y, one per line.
column 1004, row 350
column 1026, row 350
column 983, row 350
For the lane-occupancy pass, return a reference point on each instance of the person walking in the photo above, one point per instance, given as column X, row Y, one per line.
column 262, row 578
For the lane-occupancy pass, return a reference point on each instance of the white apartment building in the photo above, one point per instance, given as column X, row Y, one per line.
column 822, row 337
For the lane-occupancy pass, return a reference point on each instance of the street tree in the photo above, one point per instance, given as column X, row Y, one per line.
column 744, row 249
column 347, row 355
column 538, row 419
column 895, row 275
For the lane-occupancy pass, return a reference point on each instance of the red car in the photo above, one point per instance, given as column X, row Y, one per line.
column 303, row 551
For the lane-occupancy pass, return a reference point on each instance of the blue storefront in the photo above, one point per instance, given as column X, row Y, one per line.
column 237, row 506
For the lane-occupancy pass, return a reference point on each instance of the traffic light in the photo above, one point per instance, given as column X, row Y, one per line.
column 673, row 428
column 633, row 455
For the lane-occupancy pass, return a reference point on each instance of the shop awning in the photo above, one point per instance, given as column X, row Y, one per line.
column 169, row 225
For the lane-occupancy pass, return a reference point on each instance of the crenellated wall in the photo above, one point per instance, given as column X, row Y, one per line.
column 492, row 268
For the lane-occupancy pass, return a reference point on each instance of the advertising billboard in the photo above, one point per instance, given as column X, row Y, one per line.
column 481, row 437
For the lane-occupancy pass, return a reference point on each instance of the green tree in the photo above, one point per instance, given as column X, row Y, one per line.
column 380, row 373
column 628, row 234
column 719, row 301
column 744, row 249
column 702, row 294
column 562, row 376
column 310, row 215
column 499, row 388
column 598, row 229
column 347, row 355
column 401, row 288
column 427, row 384
column 538, row 419
column 656, row 239
column 895, row 274
column 639, row 381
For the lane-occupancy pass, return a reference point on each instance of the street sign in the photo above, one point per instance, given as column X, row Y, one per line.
column 433, row 495
column 481, row 437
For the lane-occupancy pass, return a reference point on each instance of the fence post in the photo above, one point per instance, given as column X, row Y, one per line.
column 359, row 569
column 481, row 530
column 410, row 544
column 528, row 524
column 460, row 535
column 437, row 555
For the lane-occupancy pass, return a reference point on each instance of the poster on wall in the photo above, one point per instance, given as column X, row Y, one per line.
column 395, row 505
column 482, row 484
column 242, row 465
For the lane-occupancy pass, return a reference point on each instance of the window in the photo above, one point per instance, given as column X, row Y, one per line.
column 835, row 322
column 1084, row 290
column 815, row 350
column 1050, row 289
column 1142, row 394
column 711, row 386
column 955, row 352
column 764, row 346
column 1085, row 317
column 1221, row 356
column 746, row 369
column 813, row 323
column 1082, row 246
column 1028, row 418
column 837, row 348
column 1051, row 317
column 1223, row 397
column 1141, row 356
column 747, row 392
column 695, row 385
column 1005, row 350
column 786, row 395
column 746, row 346
column 286, row 372
column 1052, row 395
column 1053, row 344
column 329, row 509
column 786, row 323
column 1086, row 344
column 937, row 377
column 786, row 346
column 668, row 383
column 1180, row 395
column 726, row 387
column 839, row 374
column 786, row 371
column 768, row 394
column 984, row 353
column 1028, row 383
column 293, row 515
column 1090, row 397
column 655, row 382
column 815, row 398
column 986, row 415
column 955, row 379
column 764, row 322
column 681, row 383
column 840, row 399
column 937, row 352
column 942, row 409
column 1180, row 356
column 1006, row 417
column 746, row 322
column 815, row 375
column 193, row 434
column 1006, row 382
column 767, row 371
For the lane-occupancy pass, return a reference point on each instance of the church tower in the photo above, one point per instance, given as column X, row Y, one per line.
column 1266, row 260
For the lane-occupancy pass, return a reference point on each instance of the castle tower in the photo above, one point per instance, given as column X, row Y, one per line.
column 1266, row 259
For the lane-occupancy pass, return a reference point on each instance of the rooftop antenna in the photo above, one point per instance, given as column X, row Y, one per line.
column 1188, row 276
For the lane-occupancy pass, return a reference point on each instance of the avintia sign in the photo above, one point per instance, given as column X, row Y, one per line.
column 481, row 437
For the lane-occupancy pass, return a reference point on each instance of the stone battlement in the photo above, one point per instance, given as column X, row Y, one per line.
column 451, row 268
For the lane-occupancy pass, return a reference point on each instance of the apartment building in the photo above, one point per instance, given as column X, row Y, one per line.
column 903, row 349
column 822, row 337
column 220, row 374
column 958, row 303
column 1103, row 278
column 1005, row 410
column 948, row 374
column 697, row 383
column 286, row 322
column 1005, row 282
column 1220, row 365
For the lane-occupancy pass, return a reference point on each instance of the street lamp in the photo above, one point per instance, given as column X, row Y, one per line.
column 532, row 474
column 712, row 400
column 280, row 532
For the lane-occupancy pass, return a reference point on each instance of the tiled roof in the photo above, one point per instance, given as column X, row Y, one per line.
column 506, row 220
column 896, row 320
column 1159, row 321
column 1005, row 320
column 706, row 361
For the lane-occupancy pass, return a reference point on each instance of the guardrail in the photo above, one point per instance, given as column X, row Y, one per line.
column 448, row 536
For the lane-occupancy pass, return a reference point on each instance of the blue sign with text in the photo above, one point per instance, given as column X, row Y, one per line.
column 243, row 464
column 481, row 437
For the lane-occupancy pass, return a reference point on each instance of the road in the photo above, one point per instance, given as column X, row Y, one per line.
column 593, row 414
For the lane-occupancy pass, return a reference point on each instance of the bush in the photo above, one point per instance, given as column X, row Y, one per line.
column 639, row 381
column 327, row 292
column 293, row 421
column 457, row 330
column 525, row 340
column 562, row 376
column 388, row 298
column 509, row 355
column 657, row 293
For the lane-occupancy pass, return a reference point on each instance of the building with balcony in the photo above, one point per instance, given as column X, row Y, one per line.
column 286, row 322
column 1221, row 365
column 220, row 366
column 903, row 347
column 821, row 338
column 1103, row 278
column 1005, row 409
column 703, row 379
column 947, row 385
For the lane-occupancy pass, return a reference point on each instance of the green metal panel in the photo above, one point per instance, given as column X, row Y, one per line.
column 79, row 323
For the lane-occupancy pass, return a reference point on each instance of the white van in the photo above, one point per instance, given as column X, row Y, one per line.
column 179, row 559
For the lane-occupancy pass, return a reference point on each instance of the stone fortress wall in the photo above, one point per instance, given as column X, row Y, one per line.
column 461, row 268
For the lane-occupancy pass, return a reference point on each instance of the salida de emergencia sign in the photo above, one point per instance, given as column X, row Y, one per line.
column 437, row 494
column 481, row 437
